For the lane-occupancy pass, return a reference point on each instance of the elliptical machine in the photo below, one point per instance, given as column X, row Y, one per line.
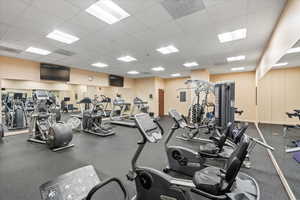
column 90, row 119
column 44, row 128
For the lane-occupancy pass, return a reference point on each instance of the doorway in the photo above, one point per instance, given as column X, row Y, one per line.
column 161, row 102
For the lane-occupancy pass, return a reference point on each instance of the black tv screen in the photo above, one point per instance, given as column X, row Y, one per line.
column 117, row 81
column 54, row 72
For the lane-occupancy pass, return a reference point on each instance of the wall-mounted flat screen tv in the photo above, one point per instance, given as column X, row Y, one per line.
column 117, row 81
column 54, row 72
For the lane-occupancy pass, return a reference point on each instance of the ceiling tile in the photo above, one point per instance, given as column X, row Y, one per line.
column 11, row 10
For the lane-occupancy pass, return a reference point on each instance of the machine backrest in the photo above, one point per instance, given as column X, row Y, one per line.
column 236, row 160
column 224, row 136
column 238, row 133
column 148, row 128
column 178, row 118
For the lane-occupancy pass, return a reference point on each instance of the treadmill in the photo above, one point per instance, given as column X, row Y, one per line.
column 106, row 101
column 121, row 119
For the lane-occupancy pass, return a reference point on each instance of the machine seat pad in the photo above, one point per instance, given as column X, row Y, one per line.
column 209, row 148
column 208, row 180
column 227, row 151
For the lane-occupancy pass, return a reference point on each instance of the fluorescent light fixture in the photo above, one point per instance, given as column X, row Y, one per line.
column 62, row 37
column 190, row 64
column 107, row 11
column 38, row 51
column 133, row 72
column 238, row 69
column 280, row 64
column 176, row 75
column 234, row 35
column 167, row 49
column 236, row 58
column 99, row 64
column 126, row 59
column 293, row 50
column 158, row 69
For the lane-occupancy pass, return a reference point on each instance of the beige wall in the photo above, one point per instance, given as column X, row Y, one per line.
column 278, row 92
column 244, row 92
column 172, row 95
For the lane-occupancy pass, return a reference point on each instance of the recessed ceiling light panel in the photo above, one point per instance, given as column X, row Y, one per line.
column 234, row 35
column 62, row 37
column 158, row 69
column 238, row 69
column 175, row 75
column 236, row 58
column 293, row 50
column 133, row 72
column 167, row 49
column 99, row 64
column 190, row 64
column 38, row 51
column 280, row 64
column 107, row 11
column 126, row 59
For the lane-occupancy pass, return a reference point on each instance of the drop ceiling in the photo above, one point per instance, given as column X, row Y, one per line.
column 25, row 23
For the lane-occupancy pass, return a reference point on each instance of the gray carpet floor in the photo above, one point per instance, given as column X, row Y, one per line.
column 24, row 166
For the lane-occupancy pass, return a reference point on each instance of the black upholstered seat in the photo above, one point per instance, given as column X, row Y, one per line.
column 217, row 181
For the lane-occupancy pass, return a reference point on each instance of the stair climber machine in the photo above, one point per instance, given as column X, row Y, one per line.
column 91, row 119
column 119, row 117
column 15, row 113
column 44, row 127
column 210, row 183
column 215, row 152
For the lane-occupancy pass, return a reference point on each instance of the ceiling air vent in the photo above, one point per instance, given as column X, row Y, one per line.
column 181, row 8
column 64, row 52
column 10, row 50
column 146, row 73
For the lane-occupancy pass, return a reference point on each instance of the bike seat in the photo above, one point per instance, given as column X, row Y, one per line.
column 209, row 148
column 208, row 180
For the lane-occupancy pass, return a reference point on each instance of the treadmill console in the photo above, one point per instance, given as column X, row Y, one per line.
column 137, row 101
column 178, row 118
column 74, row 185
column 148, row 128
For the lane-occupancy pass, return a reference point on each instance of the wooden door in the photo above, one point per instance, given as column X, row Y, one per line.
column 161, row 102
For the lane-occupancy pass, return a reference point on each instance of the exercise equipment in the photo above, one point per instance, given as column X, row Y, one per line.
column 1, row 131
column 214, row 151
column 187, row 161
column 121, row 118
column 296, row 148
column 44, row 128
column 106, row 102
column 209, row 183
column 82, row 183
column 90, row 120
column 15, row 113
column 139, row 106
